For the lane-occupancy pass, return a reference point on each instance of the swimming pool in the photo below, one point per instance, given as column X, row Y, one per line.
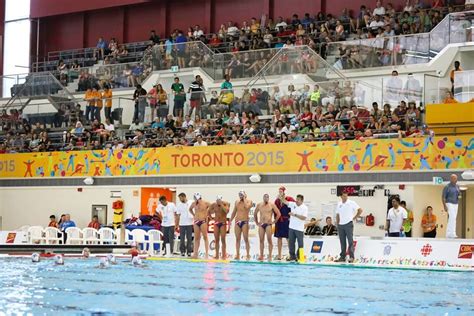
column 191, row 288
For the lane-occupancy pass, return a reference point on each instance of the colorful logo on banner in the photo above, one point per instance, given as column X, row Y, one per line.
column 466, row 251
column 10, row 238
column 317, row 247
column 429, row 153
column 426, row 250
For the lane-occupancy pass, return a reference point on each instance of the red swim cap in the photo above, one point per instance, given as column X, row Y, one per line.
column 134, row 252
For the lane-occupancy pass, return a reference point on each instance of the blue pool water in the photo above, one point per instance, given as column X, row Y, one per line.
column 190, row 288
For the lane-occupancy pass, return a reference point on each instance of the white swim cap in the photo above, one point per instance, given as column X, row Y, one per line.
column 59, row 260
column 197, row 196
column 241, row 192
column 219, row 198
column 136, row 261
column 111, row 258
column 35, row 257
column 104, row 263
column 133, row 244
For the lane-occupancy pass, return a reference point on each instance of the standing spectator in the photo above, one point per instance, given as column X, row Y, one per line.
column 139, row 96
column 52, row 221
column 153, row 97
column 394, row 88
column 346, row 213
column 98, row 103
column 154, row 37
column 226, row 86
column 452, row 73
column 428, row 222
column 168, row 213
column 107, row 96
column 408, row 224
column 94, row 223
column 298, row 215
column 90, row 106
column 185, row 222
column 450, row 199
column 396, row 218
column 181, row 49
column 162, row 110
column 179, row 97
column 196, row 90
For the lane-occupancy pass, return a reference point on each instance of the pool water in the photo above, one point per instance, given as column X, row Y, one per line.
column 192, row 288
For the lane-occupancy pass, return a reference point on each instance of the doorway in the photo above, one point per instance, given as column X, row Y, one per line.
column 461, row 222
column 101, row 212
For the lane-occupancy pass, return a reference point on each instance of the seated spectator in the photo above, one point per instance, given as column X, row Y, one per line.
column 428, row 222
column 78, row 129
column 154, row 37
column 449, row 98
column 101, row 46
column 53, row 222
column 66, row 223
column 136, row 125
column 94, row 223
column 329, row 229
column 199, row 141
column 312, row 228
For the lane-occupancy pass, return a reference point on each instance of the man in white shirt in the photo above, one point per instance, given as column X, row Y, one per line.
column 199, row 141
column 379, row 10
column 280, row 23
column 187, row 122
column 197, row 32
column 167, row 211
column 396, row 217
column 109, row 126
column 185, row 222
column 375, row 24
column 347, row 211
column 232, row 30
column 298, row 215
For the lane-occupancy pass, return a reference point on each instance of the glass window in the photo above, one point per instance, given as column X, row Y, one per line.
column 17, row 9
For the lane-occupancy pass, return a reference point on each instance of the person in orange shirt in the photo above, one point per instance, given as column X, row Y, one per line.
column 52, row 221
column 107, row 96
column 428, row 222
column 99, row 103
column 90, row 107
column 94, row 223
column 449, row 98
column 457, row 67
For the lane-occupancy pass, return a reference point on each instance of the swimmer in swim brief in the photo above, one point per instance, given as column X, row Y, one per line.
column 242, row 223
column 265, row 215
column 199, row 223
column 218, row 212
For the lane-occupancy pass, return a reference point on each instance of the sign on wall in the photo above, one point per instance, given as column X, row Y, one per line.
column 407, row 154
column 149, row 199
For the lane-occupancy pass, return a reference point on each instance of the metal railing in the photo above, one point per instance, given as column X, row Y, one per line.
column 403, row 49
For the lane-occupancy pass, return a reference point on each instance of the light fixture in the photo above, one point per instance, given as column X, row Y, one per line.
column 468, row 175
column 255, row 178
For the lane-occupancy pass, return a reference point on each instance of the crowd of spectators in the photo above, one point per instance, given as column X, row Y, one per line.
column 295, row 116
column 250, row 37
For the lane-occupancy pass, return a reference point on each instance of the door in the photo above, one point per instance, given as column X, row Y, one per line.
column 101, row 212
column 461, row 222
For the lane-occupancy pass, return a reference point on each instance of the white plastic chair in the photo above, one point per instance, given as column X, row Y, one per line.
column 154, row 237
column 90, row 235
column 74, row 235
column 137, row 235
column 52, row 235
column 35, row 235
column 107, row 236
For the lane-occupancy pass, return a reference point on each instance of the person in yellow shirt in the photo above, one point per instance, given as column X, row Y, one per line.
column 90, row 106
column 449, row 98
column 107, row 97
column 98, row 102
column 254, row 26
column 428, row 222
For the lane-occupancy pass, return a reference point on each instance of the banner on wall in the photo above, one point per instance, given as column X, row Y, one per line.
column 13, row 237
column 410, row 154
column 149, row 199
column 407, row 252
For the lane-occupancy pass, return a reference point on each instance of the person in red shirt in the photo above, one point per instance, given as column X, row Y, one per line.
column 214, row 41
column 94, row 223
column 52, row 221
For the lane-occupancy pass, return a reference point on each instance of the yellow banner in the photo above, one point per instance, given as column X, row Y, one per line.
column 430, row 153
